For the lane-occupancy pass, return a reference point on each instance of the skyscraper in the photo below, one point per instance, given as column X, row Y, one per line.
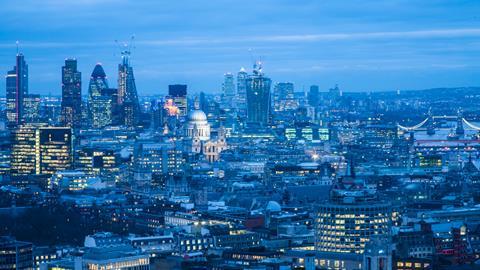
column 178, row 92
column 16, row 89
column 283, row 98
column 127, row 92
column 228, row 86
column 53, row 150
column 31, row 108
column 23, row 146
column 96, row 102
column 313, row 96
column 15, row 254
column 351, row 217
column 241, row 96
column 38, row 149
column 71, row 94
column 258, row 96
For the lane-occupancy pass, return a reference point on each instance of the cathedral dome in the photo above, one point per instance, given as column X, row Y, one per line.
column 273, row 206
column 197, row 116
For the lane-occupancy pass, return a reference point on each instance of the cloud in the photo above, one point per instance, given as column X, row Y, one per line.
column 323, row 37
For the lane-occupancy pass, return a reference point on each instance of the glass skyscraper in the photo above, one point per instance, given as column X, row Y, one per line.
column 71, row 94
column 241, row 97
column 127, row 92
column 258, row 96
column 16, row 89
column 53, row 150
column 228, row 85
column 97, row 104
column 178, row 92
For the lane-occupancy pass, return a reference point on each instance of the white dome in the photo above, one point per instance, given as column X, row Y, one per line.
column 197, row 116
column 273, row 206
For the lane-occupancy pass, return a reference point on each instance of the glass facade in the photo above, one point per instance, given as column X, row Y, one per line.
column 127, row 93
column 345, row 228
column 71, row 94
column 53, row 150
column 258, row 98
column 16, row 89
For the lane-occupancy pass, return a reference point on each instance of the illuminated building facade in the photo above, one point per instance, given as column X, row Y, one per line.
column 307, row 133
column 99, row 106
column 258, row 97
column 31, row 108
column 95, row 161
column 71, row 94
column 15, row 254
column 23, row 154
column 114, row 258
column 283, row 98
column 178, row 92
column 127, row 98
column 53, row 150
column 157, row 158
column 228, row 88
column 16, row 89
column 68, row 180
column 241, row 96
column 171, row 108
column 346, row 223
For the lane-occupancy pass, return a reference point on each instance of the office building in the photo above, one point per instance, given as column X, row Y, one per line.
column 96, row 160
column 347, row 222
column 71, row 94
column 15, row 254
column 258, row 97
column 31, row 108
column 115, row 257
column 241, row 96
column 228, row 86
column 283, row 98
column 178, row 92
column 127, row 97
column 313, row 96
column 53, row 150
column 23, row 146
column 16, row 89
column 99, row 106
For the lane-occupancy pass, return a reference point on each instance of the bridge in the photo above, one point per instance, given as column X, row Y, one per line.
column 429, row 124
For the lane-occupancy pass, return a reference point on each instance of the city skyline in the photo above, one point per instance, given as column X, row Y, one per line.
column 375, row 46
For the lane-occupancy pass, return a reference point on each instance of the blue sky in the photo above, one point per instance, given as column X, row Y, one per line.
column 365, row 45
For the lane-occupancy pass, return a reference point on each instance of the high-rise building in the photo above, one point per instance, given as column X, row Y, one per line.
column 31, row 108
column 53, row 150
column 258, row 96
column 155, row 160
column 96, row 160
column 313, row 95
column 16, row 89
column 347, row 222
column 99, row 106
column 38, row 149
column 71, row 94
column 228, row 86
column 127, row 92
column 283, row 98
column 178, row 92
column 159, row 114
column 241, row 96
column 23, row 150
column 15, row 254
